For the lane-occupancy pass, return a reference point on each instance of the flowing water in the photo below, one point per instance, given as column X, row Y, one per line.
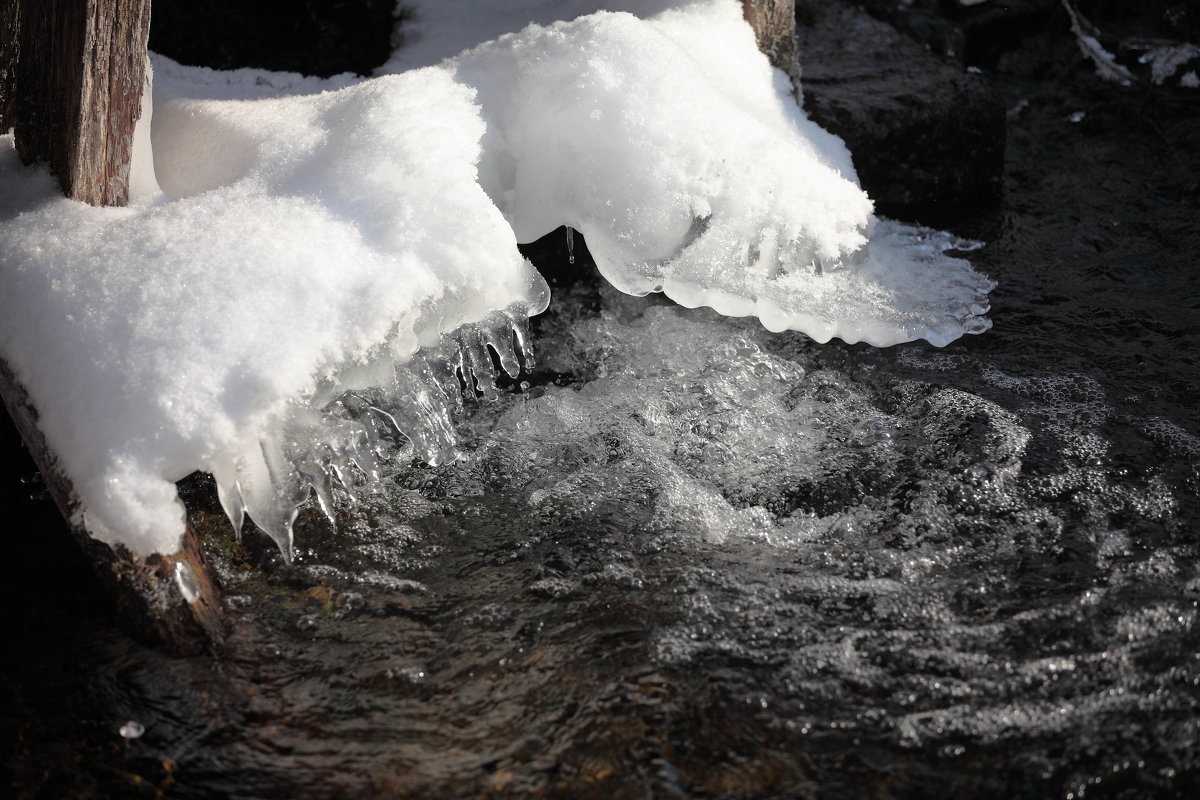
column 686, row 557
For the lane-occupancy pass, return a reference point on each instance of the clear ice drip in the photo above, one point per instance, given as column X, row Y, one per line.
column 312, row 448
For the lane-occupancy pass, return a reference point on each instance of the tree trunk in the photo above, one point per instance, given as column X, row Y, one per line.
column 80, row 69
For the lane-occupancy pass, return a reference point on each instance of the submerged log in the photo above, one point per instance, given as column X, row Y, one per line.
column 75, row 93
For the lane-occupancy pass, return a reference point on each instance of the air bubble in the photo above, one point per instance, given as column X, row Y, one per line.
column 132, row 730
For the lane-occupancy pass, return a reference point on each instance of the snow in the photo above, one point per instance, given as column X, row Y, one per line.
column 314, row 237
column 299, row 235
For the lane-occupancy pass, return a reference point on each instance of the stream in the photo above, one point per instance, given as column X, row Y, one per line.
column 686, row 557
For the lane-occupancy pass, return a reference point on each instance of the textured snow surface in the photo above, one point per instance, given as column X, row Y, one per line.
column 310, row 236
column 300, row 235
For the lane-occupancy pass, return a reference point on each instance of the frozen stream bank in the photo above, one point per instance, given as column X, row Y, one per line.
column 696, row 559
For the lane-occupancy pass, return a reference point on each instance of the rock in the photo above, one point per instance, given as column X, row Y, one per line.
column 927, row 136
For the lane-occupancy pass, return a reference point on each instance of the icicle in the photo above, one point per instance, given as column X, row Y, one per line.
column 230, row 495
column 570, row 245
column 312, row 447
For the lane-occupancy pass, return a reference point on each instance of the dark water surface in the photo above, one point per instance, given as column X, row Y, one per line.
column 694, row 559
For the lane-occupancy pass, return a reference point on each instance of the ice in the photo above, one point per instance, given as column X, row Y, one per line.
column 314, row 268
column 303, row 246
column 671, row 145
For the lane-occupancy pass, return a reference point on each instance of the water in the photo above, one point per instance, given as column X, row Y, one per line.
column 695, row 559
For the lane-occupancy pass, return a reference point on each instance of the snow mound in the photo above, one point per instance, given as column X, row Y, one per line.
column 680, row 155
column 325, row 256
column 306, row 241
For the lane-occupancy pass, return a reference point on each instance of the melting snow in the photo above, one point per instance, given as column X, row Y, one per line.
column 322, row 254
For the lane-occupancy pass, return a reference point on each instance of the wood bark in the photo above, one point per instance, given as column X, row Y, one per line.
column 80, row 69
column 774, row 24
column 10, row 30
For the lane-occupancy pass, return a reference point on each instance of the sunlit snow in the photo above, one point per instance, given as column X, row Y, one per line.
column 324, row 256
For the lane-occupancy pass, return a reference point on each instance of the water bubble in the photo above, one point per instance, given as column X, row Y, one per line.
column 553, row 588
column 353, row 601
column 132, row 730
column 405, row 674
column 870, row 432
column 308, row 622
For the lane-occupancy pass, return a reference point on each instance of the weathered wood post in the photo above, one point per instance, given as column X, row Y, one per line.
column 774, row 24
column 71, row 73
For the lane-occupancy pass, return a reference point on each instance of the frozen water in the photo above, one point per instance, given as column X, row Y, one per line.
column 305, row 245
column 677, row 152
column 333, row 263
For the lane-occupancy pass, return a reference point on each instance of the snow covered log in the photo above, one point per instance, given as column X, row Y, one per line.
column 171, row 600
column 75, row 92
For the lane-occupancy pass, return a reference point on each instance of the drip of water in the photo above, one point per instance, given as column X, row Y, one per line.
column 342, row 442
column 570, row 245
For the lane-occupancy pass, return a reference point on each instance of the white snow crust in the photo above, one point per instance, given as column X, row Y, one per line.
column 311, row 235
column 298, row 236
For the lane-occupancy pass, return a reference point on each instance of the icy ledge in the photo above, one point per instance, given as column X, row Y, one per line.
column 315, row 239
column 319, row 265
column 678, row 152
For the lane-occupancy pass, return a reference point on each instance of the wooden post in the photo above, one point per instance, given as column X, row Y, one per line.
column 10, row 26
column 79, row 71
column 774, row 24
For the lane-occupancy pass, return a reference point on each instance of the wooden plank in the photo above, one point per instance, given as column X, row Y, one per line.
column 79, row 77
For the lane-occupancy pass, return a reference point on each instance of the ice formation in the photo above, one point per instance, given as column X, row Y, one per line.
column 305, row 246
column 711, row 186
column 328, row 262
